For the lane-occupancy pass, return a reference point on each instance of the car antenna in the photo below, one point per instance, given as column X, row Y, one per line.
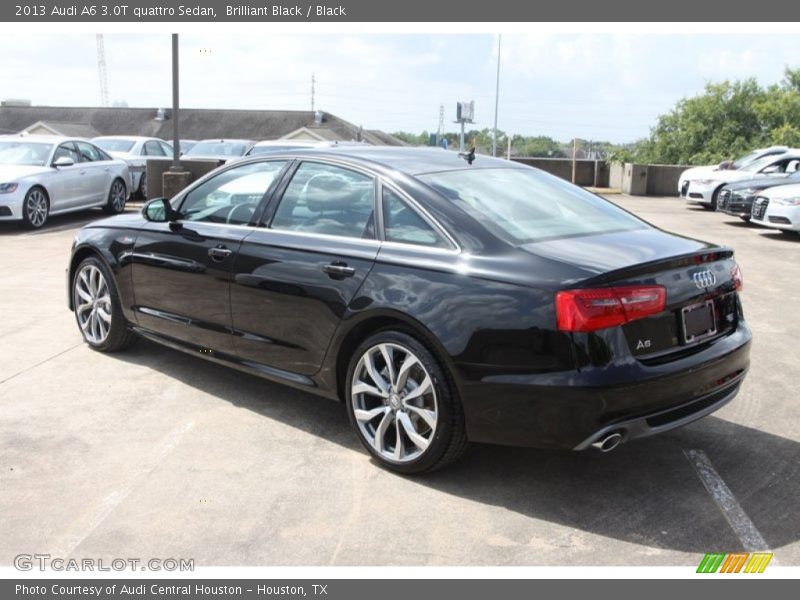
column 468, row 156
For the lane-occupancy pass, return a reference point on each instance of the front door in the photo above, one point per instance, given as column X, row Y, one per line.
column 182, row 269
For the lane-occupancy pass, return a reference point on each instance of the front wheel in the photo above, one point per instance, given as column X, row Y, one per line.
column 98, row 310
column 117, row 197
column 35, row 208
column 403, row 405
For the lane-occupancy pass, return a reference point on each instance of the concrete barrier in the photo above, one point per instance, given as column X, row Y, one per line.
column 157, row 166
column 562, row 167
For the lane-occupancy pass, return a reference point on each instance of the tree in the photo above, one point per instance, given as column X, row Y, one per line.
column 727, row 120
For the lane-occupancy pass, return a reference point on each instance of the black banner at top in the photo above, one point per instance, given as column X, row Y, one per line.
column 393, row 11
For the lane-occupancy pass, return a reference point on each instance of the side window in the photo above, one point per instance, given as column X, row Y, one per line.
column 329, row 200
column 401, row 223
column 88, row 152
column 153, row 149
column 165, row 148
column 232, row 196
column 66, row 150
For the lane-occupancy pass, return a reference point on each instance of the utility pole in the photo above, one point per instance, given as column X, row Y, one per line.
column 176, row 151
column 440, row 131
column 574, row 156
column 313, row 81
column 101, row 70
column 496, row 96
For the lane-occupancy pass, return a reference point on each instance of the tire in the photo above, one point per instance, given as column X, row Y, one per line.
column 94, row 292
column 142, row 191
column 745, row 219
column 430, row 423
column 117, row 196
column 713, row 205
column 35, row 208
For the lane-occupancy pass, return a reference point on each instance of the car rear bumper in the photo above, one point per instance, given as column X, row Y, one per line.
column 571, row 410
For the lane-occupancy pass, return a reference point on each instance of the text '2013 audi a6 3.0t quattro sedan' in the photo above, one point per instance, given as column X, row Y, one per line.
column 443, row 300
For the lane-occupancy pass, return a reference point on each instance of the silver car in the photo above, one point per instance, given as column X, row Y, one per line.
column 42, row 176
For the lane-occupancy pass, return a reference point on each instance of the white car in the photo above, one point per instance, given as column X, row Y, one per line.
column 135, row 150
column 778, row 208
column 50, row 175
column 705, row 189
column 220, row 150
column 703, row 172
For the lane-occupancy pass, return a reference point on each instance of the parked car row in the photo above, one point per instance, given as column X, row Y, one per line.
column 41, row 176
column 762, row 187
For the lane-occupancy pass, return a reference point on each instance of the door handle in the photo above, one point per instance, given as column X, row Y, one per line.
column 339, row 270
column 219, row 253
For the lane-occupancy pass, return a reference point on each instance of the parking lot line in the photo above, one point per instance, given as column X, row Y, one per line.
column 40, row 363
column 742, row 526
column 115, row 498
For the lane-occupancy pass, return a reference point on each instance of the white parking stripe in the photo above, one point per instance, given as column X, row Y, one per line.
column 741, row 524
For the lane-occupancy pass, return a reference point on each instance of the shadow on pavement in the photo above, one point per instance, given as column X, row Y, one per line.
column 645, row 493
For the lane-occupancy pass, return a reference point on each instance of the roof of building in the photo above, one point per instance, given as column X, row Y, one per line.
column 194, row 123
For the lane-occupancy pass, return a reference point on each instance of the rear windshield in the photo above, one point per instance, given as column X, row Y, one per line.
column 115, row 145
column 218, row 149
column 525, row 205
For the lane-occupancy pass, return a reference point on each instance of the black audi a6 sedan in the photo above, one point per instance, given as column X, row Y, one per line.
column 736, row 199
column 441, row 301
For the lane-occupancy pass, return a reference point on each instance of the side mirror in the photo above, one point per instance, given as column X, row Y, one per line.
column 63, row 161
column 159, row 210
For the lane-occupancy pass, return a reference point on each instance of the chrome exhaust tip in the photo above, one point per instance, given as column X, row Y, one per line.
column 609, row 442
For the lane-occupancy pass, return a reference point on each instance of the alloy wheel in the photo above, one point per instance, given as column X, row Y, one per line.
column 118, row 196
column 36, row 208
column 93, row 304
column 394, row 402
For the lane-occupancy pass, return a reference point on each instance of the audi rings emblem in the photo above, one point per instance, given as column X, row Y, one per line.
column 704, row 279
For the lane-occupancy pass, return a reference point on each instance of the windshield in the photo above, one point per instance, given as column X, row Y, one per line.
column 747, row 158
column 24, row 153
column 218, row 149
column 115, row 145
column 755, row 167
column 525, row 205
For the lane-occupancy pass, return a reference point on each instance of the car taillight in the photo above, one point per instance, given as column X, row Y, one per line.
column 598, row 308
column 736, row 275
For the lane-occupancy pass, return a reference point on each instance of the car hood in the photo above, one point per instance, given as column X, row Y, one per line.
column 761, row 183
column 9, row 173
column 698, row 173
column 784, row 191
column 596, row 254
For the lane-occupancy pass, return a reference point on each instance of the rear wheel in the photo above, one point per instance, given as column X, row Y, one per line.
column 35, row 208
column 117, row 197
column 98, row 310
column 143, row 186
column 403, row 405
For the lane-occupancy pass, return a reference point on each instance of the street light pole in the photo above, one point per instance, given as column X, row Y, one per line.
column 176, row 151
column 496, row 96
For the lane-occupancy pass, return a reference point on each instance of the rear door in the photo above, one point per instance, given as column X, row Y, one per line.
column 96, row 171
column 294, row 279
column 182, row 270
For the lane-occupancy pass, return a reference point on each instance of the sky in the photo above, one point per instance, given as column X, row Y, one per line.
column 599, row 86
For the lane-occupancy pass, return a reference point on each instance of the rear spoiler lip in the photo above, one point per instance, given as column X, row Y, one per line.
column 706, row 254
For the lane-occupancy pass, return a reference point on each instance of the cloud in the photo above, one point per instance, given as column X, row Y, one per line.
column 603, row 87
